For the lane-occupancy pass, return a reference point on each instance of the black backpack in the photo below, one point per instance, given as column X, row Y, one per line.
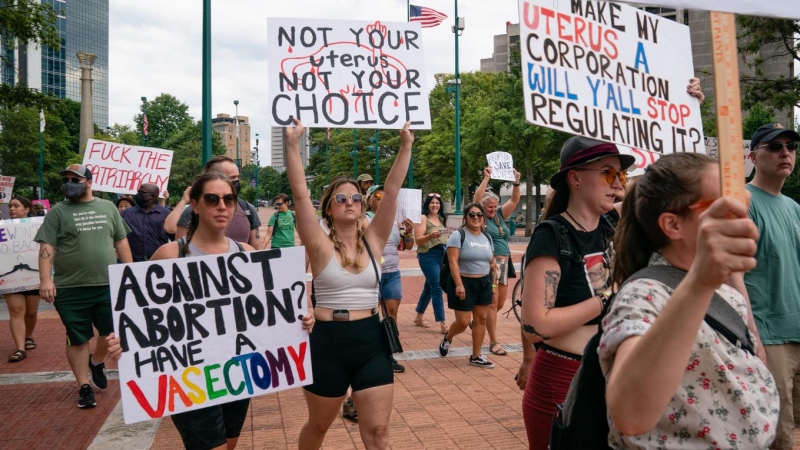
column 581, row 421
column 444, row 273
column 275, row 220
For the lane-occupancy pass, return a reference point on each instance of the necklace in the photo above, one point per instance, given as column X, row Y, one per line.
column 576, row 222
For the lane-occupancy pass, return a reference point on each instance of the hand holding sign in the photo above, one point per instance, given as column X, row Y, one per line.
column 501, row 167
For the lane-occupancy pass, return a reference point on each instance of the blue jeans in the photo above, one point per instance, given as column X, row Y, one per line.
column 431, row 264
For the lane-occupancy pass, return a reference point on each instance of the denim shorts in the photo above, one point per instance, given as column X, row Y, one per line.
column 391, row 286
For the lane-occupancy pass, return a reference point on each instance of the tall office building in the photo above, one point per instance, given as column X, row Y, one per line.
column 276, row 149
column 83, row 27
column 700, row 31
column 225, row 125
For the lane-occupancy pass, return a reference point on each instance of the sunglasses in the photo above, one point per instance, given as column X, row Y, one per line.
column 71, row 180
column 610, row 174
column 434, row 194
column 378, row 196
column 144, row 194
column 473, row 215
column 213, row 200
column 778, row 146
column 278, row 203
column 342, row 198
column 702, row 205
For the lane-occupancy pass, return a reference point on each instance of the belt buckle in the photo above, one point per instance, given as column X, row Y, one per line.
column 341, row 315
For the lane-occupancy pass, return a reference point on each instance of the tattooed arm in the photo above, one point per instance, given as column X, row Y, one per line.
column 540, row 318
column 47, row 290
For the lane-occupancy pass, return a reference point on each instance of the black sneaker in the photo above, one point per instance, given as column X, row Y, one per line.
column 397, row 367
column 444, row 346
column 349, row 410
column 86, row 397
column 481, row 361
column 98, row 374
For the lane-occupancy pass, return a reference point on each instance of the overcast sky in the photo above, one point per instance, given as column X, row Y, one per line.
column 156, row 47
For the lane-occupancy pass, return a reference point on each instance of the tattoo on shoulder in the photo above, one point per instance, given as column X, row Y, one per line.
column 551, row 278
column 530, row 330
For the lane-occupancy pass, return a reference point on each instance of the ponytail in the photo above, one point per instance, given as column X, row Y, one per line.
column 633, row 246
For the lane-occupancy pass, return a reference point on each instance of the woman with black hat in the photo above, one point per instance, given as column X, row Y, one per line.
column 567, row 273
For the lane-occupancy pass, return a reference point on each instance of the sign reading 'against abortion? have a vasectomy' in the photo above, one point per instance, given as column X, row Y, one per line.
column 610, row 72
column 347, row 73
column 207, row 330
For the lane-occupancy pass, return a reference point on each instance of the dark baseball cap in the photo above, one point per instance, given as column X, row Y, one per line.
column 770, row 131
column 79, row 170
column 579, row 150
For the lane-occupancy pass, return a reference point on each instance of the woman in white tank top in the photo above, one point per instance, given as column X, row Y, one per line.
column 349, row 346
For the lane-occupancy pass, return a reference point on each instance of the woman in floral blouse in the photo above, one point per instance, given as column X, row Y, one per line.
column 674, row 382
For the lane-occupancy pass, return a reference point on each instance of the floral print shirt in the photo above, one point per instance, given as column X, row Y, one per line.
column 727, row 398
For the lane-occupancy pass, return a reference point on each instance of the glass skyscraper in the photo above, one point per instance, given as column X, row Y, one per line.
column 83, row 27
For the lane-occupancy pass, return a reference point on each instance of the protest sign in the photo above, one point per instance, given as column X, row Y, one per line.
column 347, row 73
column 409, row 205
column 712, row 148
column 644, row 159
column 6, row 187
column 19, row 256
column 773, row 8
column 610, row 72
column 502, row 165
column 123, row 168
column 448, row 230
column 44, row 202
column 207, row 330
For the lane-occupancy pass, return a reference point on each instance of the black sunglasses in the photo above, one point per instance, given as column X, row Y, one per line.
column 278, row 203
column 473, row 214
column 342, row 198
column 213, row 199
column 778, row 146
column 71, row 180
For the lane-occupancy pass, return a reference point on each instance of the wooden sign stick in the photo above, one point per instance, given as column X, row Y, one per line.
column 729, row 112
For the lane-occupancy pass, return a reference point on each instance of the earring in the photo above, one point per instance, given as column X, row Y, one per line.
column 577, row 185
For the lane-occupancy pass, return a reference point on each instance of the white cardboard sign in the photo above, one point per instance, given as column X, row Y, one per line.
column 610, row 72
column 6, row 188
column 347, row 73
column 19, row 263
column 207, row 330
column 122, row 168
column 409, row 205
column 774, row 8
column 502, row 165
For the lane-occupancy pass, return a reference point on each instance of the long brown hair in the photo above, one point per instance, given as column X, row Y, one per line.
column 669, row 185
column 327, row 198
column 196, row 193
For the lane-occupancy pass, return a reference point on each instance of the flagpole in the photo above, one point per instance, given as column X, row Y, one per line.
column 41, row 156
column 411, row 162
column 457, row 120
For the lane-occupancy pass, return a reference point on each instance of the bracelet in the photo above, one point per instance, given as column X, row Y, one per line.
column 515, row 184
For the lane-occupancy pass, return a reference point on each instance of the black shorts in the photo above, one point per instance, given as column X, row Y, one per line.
column 82, row 307
column 206, row 428
column 347, row 354
column 478, row 293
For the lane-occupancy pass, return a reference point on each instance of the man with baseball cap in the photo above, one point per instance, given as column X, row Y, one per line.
column 365, row 182
column 774, row 285
column 77, row 239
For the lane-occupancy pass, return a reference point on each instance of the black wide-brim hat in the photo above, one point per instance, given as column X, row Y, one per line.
column 579, row 150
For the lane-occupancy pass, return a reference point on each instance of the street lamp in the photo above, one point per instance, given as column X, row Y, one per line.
column 354, row 154
column 206, row 80
column 457, row 29
column 238, row 161
column 144, row 121
column 258, row 168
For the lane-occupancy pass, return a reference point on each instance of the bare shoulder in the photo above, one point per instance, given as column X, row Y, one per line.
column 247, row 247
column 166, row 251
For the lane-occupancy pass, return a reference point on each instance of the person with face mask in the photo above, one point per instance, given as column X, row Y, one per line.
column 146, row 221
column 245, row 222
column 77, row 239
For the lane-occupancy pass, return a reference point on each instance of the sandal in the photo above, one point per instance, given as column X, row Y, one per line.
column 420, row 322
column 500, row 350
column 17, row 356
column 30, row 344
column 444, row 327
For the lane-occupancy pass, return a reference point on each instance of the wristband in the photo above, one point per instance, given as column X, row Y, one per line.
column 515, row 184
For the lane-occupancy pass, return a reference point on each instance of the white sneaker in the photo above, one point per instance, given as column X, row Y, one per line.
column 481, row 361
column 444, row 346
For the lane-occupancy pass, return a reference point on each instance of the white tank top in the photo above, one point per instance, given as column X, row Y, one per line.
column 336, row 288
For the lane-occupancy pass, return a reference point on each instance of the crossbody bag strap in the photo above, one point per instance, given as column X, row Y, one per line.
column 377, row 277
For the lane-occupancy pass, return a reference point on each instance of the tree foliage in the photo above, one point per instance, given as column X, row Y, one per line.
column 166, row 117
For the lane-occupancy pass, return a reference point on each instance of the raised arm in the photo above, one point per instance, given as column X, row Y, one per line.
column 512, row 203
column 308, row 227
column 481, row 190
column 540, row 318
column 381, row 225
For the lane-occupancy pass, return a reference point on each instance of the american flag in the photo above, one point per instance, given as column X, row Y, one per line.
column 427, row 17
column 329, row 134
column 146, row 125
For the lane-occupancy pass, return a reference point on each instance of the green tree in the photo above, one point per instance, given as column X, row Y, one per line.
column 761, row 39
column 166, row 117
